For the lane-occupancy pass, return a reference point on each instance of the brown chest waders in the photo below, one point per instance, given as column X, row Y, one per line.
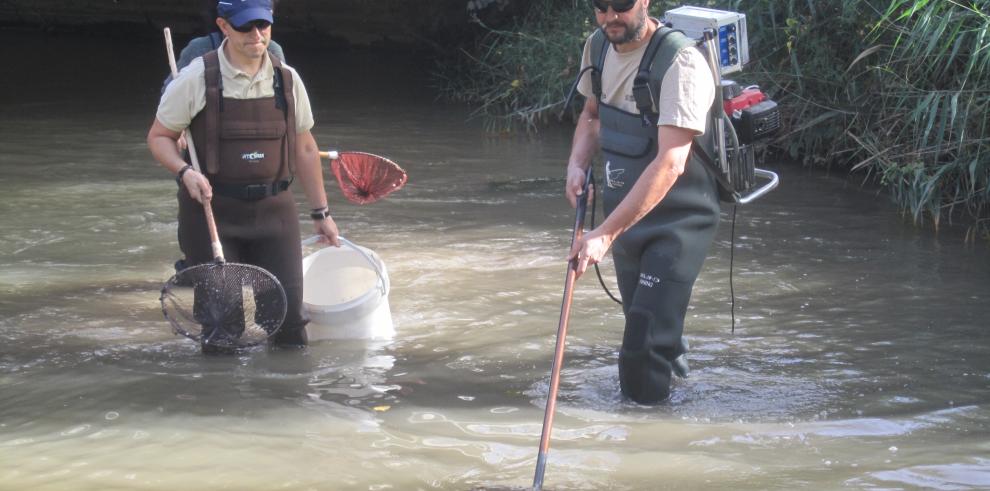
column 658, row 259
column 247, row 145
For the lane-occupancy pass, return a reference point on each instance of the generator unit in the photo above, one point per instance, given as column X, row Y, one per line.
column 729, row 29
column 745, row 115
column 753, row 116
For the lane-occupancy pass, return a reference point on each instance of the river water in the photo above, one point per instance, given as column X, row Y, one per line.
column 861, row 356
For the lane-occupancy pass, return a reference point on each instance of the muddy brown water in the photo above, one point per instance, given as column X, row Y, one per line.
column 860, row 360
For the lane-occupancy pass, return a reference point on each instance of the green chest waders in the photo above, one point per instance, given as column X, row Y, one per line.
column 658, row 259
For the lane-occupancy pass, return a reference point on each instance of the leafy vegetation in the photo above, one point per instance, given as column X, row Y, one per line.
column 897, row 90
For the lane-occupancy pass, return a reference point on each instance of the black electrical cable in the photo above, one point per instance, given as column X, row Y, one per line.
column 732, row 253
column 737, row 156
column 598, row 272
column 570, row 93
column 732, row 250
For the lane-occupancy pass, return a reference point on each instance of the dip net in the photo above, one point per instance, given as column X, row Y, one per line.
column 366, row 178
column 224, row 305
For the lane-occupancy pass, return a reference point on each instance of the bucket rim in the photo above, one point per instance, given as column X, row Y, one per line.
column 370, row 298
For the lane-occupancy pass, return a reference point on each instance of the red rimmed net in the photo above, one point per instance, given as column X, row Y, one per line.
column 366, row 178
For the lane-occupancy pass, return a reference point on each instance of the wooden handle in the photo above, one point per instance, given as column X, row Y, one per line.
column 210, row 222
column 171, row 53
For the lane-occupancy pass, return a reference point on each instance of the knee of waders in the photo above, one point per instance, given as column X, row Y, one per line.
column 644, row 375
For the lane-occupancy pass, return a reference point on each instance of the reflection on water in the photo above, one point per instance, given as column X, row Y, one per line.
column 860, row 357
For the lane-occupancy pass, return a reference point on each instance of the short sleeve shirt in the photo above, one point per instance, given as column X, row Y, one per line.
column 185, row 97
column 687, row 89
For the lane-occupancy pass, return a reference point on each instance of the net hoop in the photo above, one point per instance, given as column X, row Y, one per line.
column 235, row 305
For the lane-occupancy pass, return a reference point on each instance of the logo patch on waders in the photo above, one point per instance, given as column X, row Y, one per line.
column 612, row 176
column 648, row 280
column 253, row 157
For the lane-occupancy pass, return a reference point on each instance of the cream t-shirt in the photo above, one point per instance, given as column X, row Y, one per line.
column 687, row 89
column 186, row 95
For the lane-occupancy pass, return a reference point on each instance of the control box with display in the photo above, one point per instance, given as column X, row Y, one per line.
column 729, row 28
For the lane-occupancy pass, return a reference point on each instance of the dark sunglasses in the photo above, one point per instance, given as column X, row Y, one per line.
column 260, row 24
column 617, row 5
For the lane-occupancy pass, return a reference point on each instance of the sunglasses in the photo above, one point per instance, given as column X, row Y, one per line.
column 618, row 6
column 260, row 24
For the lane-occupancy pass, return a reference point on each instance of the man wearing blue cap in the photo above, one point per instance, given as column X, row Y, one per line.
column 250, row 117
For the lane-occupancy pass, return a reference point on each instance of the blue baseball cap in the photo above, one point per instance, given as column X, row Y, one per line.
column 240, row 12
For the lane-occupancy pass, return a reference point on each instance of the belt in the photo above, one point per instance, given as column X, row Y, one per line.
column 250, row 192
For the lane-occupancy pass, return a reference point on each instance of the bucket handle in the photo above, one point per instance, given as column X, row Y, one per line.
column 382, row 281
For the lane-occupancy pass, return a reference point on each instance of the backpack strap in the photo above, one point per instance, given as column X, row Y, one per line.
column 643, row 94
column 659, row 56
column 599, row 46
column 726, row 191
column 286, row 101
column 664, row 46
column 216, row 38
column 214, row 105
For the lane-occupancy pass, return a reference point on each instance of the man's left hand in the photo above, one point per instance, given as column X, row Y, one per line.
column 589, row 250
column 328, row 229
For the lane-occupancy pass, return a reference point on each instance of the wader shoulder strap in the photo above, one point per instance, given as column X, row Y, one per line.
column 214, row 101
column 285, row 100
column 599, row 46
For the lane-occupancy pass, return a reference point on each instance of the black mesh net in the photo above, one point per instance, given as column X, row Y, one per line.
column 224, row 305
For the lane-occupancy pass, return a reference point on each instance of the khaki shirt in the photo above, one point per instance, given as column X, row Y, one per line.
column 686, row 91
column 185, row 97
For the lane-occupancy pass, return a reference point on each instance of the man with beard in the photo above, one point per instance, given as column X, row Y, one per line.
column 661, row 203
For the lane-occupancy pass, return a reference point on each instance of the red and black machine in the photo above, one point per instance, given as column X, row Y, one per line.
column 749, row 117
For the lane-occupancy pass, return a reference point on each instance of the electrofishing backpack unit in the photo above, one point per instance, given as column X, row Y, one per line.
column 751, row 116
column 745, row 115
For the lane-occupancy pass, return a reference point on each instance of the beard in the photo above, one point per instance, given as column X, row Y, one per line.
column 631, row 33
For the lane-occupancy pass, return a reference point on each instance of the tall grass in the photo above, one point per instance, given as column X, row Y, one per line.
column 929, row 130
column 519, row 74
column 896, row 90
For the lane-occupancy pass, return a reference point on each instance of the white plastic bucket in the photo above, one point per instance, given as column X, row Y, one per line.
column 345, row 293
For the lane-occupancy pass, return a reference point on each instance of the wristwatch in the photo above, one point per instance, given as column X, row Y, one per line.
column 178, row 176
column 320, row 213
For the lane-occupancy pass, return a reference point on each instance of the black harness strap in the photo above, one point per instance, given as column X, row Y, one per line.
column 596, row 74
column 642, row 93
column 726, row 190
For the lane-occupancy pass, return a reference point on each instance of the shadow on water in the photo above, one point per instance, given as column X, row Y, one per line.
column 860, row 357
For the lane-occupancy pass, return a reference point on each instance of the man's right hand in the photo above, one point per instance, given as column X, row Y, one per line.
column 574, row 187
column 197, row 185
